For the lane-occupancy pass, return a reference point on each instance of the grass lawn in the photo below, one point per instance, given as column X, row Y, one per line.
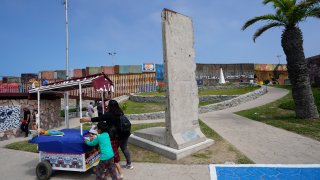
column 133, row 107
column 237, row 91
column 220, row 152
column 208, row 92
column 281, row 114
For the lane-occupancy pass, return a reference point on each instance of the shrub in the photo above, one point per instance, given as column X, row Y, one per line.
column 124, row 106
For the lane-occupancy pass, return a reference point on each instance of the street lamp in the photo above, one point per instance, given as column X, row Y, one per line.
column 66, row 94
column 278, row 56
column 112, row 54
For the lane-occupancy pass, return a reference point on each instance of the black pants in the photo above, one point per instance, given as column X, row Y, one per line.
column 25, row 128
column 124, row 149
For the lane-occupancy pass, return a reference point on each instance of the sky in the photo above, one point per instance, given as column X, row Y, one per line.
column 33, row 33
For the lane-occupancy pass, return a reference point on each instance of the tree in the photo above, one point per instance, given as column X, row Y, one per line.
column 289, row 13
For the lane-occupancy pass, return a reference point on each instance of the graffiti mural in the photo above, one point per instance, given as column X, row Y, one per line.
column 9, row 117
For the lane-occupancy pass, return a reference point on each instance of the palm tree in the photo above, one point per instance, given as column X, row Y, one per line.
column 289, row 13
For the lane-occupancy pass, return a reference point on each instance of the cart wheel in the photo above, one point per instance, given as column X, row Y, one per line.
column 44, row 170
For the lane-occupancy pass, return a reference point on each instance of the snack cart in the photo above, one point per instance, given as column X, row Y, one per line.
column 67, row 151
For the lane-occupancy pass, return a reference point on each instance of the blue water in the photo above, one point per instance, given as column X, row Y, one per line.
column 281, row 173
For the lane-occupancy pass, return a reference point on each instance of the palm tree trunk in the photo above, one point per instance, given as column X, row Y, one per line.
column 292, row 44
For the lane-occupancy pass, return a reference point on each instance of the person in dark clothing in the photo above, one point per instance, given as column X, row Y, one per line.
column 112, row 118
column 25, row 122
column 99, row 108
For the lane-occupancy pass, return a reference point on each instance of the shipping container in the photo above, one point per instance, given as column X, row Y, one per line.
column 60, row 74
column 133, row 69
column 4, row 79
column 116, row 69
column 124, row 69
column 79, row 73
column 93, row 70
column 108, row 69
column 13, row 79
column 70, row 73
column 26, row 77
column 46, row 75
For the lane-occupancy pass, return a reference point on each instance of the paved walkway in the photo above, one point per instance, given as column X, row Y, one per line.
column 260, row 142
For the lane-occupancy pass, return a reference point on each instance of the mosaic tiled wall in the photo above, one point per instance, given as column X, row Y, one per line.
column 9, row 117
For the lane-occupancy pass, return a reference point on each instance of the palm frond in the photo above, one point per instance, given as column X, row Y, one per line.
column 304, row 9
column 277, row 4
column 288, row 13
column 265, row 28
column 308, row 3
column 267, row 17
column 314, row 12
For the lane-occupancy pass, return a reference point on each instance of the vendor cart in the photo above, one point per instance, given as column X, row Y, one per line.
column 68, row 152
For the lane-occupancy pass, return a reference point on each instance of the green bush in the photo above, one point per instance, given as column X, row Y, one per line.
column 124, row 106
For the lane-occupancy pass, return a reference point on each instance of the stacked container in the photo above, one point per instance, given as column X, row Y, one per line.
column 93, row 70
column 60, row 74
column 108, row 69
column 12, row 79
column 133, row 69
column 26, row 77
column 46, row 74
column 124, row 69
column 79, row 73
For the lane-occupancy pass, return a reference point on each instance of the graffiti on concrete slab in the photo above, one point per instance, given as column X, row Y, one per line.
column 9, row 117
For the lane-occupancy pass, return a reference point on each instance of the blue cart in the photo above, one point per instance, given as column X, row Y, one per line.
column 67, row 152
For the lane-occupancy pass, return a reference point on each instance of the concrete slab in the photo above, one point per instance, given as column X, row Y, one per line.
column 168, row 151
column 155, row 134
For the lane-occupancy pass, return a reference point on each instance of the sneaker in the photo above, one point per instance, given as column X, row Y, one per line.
column 129, row 166
column 120, row 176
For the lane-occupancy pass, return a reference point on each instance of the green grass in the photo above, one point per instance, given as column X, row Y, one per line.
column 281, row 115
column 208, row 132
column 208, row 92
column 140, row 108
column 237, row 91
column 156, row 93
column 133, row 107
column 289, row 104
column 23, row 146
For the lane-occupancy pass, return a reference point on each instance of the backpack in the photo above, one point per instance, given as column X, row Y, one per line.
column 125, row 124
